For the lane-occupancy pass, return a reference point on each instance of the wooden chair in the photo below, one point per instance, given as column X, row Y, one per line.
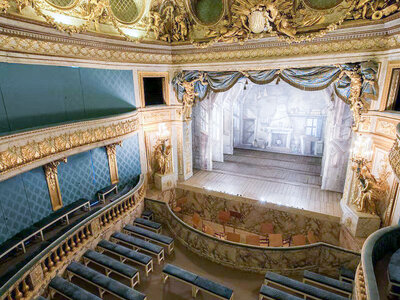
column 312, row 239
column 209, row 230
column 197, row 221
column 266, row 228
column 224, row 217
column 233, row 237
column 298, row 240
column 275, row 240
column 180, row 203
column 252, row 239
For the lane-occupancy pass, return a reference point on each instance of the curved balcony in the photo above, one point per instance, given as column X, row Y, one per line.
column 28, row 278
column 320, row 257
column 381, row 242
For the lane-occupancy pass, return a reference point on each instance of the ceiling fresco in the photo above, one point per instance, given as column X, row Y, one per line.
column 201, row 22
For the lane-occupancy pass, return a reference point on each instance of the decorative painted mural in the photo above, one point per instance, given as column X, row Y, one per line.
column 318, row 257
column 286, row 222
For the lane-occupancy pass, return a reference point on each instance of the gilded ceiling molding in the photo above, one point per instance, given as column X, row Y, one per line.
column 24, row 149
column 176, row 22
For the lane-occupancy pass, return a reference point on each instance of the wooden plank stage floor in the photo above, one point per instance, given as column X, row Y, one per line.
column 282, row 179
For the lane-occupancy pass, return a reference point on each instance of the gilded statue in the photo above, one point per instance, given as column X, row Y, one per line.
column 357, row 103
column 190, row 95
column 163, row 157
column 370, row 189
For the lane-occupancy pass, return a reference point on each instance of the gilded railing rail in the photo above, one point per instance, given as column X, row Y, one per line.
column 30, row 280
column 394, row 154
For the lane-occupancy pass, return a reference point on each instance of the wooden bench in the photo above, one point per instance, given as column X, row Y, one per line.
column 148, row 235
column 197, row 282
column 301, row 288
column 103, row 283
column 147, row 214
column 112, row 266
column 37, row 229
column 346, row 275
column 147, row 224
column 127, row 254
column 267, row 292
column 139, row 244
column 101, row 194
column 68, row 290
column 327, row 282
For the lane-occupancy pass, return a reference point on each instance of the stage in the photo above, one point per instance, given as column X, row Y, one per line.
column 283, row 181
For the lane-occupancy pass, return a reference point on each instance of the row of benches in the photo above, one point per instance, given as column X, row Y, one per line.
column 320, row 287
column 114, row 247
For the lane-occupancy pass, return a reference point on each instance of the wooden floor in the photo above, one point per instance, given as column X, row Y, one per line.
column 282, row 179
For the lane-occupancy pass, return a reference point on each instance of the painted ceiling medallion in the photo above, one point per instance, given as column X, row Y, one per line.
column 127, row 11
column 207, row 12
column 63, row 4
column 322, row 4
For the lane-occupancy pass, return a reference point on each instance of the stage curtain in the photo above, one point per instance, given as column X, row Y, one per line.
column 311, row 79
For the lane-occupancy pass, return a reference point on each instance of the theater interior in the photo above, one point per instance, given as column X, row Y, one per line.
column 199, row 149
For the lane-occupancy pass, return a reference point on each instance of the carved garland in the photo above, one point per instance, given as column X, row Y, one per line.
column 17, row 156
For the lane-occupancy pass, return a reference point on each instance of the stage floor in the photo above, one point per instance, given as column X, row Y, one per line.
column 282, row 179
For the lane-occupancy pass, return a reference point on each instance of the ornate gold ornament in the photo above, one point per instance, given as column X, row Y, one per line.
column 190, row 95
column 17, row 156
column 112, row 161
column 394, row 154
column 369, row 188
column 163, row 156
column 169, row 22
column 51, row 173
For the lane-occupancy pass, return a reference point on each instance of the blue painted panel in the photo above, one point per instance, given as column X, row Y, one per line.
column 37, row 194
column 76, row 178
column 107, row 91
column 49, row 95
column 15, row 205
column 128, row 160
column 4, row 233
column 4, row 127
column 100, row 167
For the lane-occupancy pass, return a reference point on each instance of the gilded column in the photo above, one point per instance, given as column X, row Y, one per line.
column 51, row 173
column 112, row 161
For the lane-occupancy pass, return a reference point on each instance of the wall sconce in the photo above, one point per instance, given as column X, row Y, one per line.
column 361, row 153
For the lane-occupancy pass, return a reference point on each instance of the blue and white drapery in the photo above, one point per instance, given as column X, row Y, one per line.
column 311, row 79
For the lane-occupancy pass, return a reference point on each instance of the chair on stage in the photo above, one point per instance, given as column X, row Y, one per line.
column 298, row 240
column 252, row 239
column 224, row 217
column 233, row 237
column 266, row 229
column 209, row 230
column 275, row 240
column 312, row 239
column 180, row 203
column 197, row 221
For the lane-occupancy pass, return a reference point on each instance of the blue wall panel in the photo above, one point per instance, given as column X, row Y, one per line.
column 52, row 94
column 128, row 160
column 100, row 168
column 15, row 205
column 37, row 194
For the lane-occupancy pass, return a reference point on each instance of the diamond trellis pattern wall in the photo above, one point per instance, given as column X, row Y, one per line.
column 76, row 178
column 100, row 166
column 128, row 160
column 14, row 205
column 37, row 194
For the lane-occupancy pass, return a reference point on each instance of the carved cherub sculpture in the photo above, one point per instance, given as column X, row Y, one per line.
column 163, row 157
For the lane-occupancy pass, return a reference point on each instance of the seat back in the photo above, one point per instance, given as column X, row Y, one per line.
column 209, row 230
column 266, row 228
column 311, row 237
column 298, row 240
column 252, row 239
column 197, row 221
column 275, row 240
column 233, row 237
column 224, row 216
